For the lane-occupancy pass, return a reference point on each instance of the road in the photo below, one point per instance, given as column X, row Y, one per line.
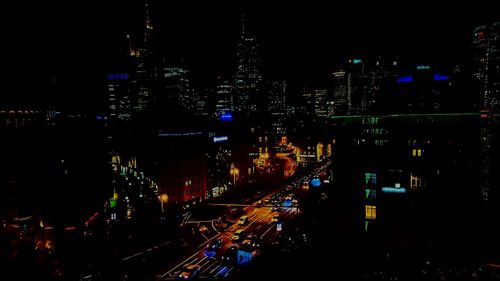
column 260, row 224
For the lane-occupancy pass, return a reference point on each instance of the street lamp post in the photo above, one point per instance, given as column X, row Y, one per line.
column 234, row 172
column 163, row 199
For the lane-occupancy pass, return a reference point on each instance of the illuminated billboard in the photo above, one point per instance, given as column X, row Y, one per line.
column 220, row 139
column 441, row 77
column 389, row 189
column 404, row 79
column 117, row 76
column 226, row 117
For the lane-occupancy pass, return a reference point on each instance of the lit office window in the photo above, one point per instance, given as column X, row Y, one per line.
column 370, row 212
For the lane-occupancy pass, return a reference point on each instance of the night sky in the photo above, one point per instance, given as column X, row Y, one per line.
column 78, row 42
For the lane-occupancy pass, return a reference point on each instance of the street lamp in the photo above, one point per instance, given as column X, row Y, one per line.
column 234, row 172
column 163, row 199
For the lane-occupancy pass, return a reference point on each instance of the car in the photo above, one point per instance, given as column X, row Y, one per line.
column 203, row 229
column 231, row 254
column 275, row 209
column 248, row 239
column 215, row 244
column 275, row 218
column 238, row 235
column 243, row 220
column 251, row 242
column 189, row 272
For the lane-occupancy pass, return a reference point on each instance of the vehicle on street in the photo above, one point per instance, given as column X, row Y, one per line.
column 243, row 220
column 238, row 235
column 189, row 272
column 215, row 244
column 231, row 254
column 275, row 218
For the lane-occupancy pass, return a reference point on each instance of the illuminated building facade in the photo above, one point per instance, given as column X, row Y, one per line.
column 486, row 65
column 320, row 103
column 411, row 163
column 177, row 88
column 143, row 73
column 180, row 166
column 184, row 180
column 340, row 99
column 277, row 98
column 486, row 72
column 248, row 78
column 224, row 98
column 120, row 100
column 219, row 159
column 422, row 88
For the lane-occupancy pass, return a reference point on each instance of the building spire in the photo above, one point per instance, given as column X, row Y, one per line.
column 243, row 26
column 148, row 27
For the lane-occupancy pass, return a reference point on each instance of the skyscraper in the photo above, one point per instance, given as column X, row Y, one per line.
column 247, row 78
column 119, row 98
column 486, row 65
column 144, row 65
column 177, row 87
column 340, row 99
column 223, row 98
column 320, row 103
column 356, row 86
column 277, row 98
column 486, row 71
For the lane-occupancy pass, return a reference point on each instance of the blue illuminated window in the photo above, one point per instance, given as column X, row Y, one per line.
column 404, row 79
column 441, row 77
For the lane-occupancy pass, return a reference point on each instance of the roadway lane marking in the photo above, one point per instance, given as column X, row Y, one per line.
column 148, row 250
column 215, row 263
column 204, row 236
column 223, row 270
column 183, row 262
column 262, row 236
column 249, row 225
column 200, row 261
column 227, row 273
column 213, row 226
column 208, row 241
column 215, row 269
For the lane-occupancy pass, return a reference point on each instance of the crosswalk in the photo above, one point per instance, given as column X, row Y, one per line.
column 211, row 264
column 211, row 268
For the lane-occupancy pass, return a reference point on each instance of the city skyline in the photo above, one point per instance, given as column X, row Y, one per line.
column 296, row 47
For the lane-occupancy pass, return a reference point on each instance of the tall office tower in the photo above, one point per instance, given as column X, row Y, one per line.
column 486, row 65
column 248, row 78
column 177, row 89
column 223, row 98
column 276, row 99
column 375, row 80
column 340, row 98
column 277, row 108
column 202, row 102
column 144, row 65
column 308, row 101
column 320, row 103
column 486, row 71
column 119, row 99
column 356, row 86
